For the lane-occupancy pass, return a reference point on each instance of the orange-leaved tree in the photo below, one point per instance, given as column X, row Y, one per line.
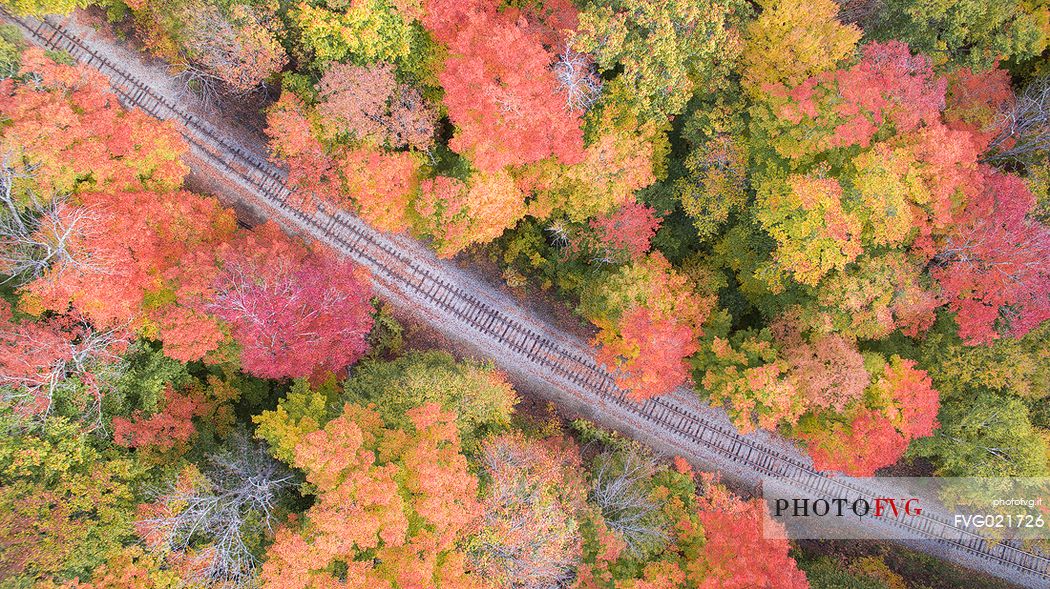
column 651, row 317
column 391, row 507
column 501, row 91
column 65, row 131
column 148, row 264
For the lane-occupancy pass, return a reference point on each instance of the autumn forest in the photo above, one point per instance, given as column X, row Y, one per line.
column 828, row 219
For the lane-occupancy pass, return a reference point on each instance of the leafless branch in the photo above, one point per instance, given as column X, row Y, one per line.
column 93, row 357
column 578, row 77
column 559, row 231
column 619, row 488
column 9, row 174
column 200, row 84
column 211, row 519
column 56, row 237
column 1025, row 125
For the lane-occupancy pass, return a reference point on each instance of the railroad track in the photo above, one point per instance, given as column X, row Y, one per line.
column 411, row 274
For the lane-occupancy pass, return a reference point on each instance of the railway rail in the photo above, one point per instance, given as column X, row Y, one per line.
column 410, row 273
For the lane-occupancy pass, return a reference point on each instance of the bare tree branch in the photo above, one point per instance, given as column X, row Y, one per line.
column 578, row 77
column 620, row 489
column 1025, row 126
column 55, row 237
column 92, row 356
column 211, row 519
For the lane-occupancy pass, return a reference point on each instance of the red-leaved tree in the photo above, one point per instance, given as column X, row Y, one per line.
column 888, row 83
column 153, row 262
column 733, row 532
column 887, row 87
column 163, row 430
column 858, row 448
column 913, row 400
column 294, row 312
column 649, row 354
column 994, row 264
column 629, row 229
column 313, row 175
column 904, row 407
column 500, row 90
column 650, row 318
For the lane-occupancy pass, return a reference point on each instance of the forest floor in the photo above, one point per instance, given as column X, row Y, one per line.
column 245, row 127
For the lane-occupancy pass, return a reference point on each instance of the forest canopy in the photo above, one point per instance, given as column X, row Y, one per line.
column 828, row 219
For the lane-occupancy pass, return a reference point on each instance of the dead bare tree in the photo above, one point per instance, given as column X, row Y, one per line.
column 38, row 235
column 212, row 519
column 39, row 238
column 201, row 84
column 1024, row 126
column 559, row 230
column 619, row 487
column 96, row 357
column 578, row 77
column 10, row 174
column 55, row 237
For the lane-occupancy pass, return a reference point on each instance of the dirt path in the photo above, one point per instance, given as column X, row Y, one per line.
column 466, row 309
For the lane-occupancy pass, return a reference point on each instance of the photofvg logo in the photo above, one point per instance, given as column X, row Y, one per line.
column 912, row 508
column 841, row 507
